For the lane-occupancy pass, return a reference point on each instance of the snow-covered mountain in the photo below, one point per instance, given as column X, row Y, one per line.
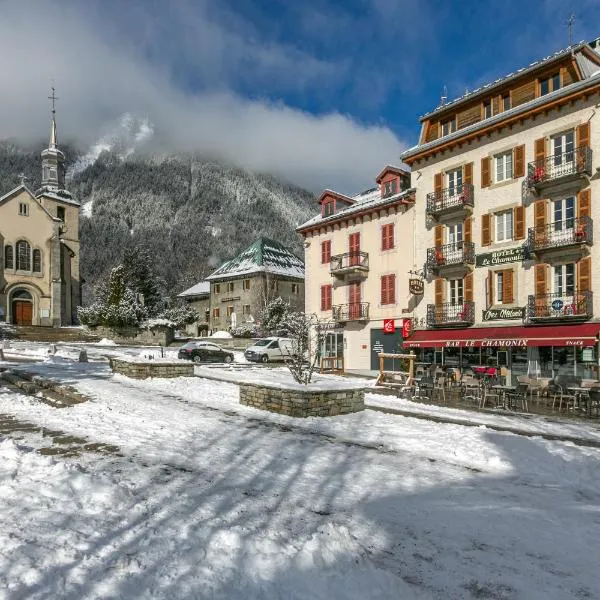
column 192, row 212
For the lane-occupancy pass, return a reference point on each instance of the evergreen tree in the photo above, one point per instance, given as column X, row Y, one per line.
column 139, row 275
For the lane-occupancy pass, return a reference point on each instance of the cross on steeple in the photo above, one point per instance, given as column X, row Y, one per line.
column 54, row 98
column 23, row 178
column 570, row 23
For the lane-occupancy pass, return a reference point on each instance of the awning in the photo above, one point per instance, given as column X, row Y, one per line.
column 583, row 334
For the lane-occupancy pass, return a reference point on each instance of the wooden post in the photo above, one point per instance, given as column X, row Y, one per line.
column 411, row 366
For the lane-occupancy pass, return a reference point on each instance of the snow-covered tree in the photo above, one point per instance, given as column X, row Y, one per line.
column 140, row 277
column 307, row 333
column 274, row 314
column 180, row 315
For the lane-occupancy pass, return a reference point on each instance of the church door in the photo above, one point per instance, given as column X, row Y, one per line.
column 22, row 312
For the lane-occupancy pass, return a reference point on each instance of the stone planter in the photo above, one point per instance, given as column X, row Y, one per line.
column 145, row 369
column 298, row 401
column 157, row 336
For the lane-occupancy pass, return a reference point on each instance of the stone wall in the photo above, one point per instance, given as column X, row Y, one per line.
column 144, row 370
column 296, row 402
column 157, row 336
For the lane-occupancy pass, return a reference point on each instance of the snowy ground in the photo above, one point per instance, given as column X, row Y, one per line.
column 211, row 499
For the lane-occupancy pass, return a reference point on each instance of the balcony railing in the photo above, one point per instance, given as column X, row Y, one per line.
column 459, row 253
column 354, row 311
column 450, row 199
column 349, row 262
column 559, row 167
column 561, row 234
column 571, row 306
column 451, row 315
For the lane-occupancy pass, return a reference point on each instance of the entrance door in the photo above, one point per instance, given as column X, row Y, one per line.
column 22, row 312
column 354, row 300
column 354, row 248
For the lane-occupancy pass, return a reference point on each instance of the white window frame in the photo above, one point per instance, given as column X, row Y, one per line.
column 499, row 287
column 501, row 230
column 503, row 166
column 449, row 126
column 456, row 292
column 454, row 181
column 563, row 146
column 563, row 279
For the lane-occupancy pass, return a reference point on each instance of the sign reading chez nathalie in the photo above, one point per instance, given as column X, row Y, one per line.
column 496, row 314
column 491, row 259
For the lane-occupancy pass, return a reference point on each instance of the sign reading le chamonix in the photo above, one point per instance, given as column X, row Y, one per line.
column 491, row 259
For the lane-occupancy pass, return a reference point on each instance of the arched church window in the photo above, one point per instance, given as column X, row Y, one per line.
column 37, row 261
column 8, row 257
column 23, row 256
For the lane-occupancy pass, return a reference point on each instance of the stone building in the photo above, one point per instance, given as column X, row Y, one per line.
column 39, row 240
column 198, row 297
column 241, row 287
column 358, row 254
column 506, row 207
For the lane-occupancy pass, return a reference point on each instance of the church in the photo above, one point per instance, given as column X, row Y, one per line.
column 39, row 241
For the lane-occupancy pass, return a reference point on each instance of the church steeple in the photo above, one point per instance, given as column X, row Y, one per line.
column 53, row 160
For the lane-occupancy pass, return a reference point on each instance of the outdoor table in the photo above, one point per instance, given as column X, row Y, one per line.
column 504, row 391
column 578, row 393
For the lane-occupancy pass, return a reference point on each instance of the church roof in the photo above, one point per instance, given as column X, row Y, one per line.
column 262, row 256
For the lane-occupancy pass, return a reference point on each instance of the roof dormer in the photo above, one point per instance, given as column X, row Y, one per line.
column 332, row 202
column 392, row 181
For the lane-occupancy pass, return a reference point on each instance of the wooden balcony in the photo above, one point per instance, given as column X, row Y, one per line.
column 451, row 315
column 354, row 311
column 451, row 202
column 569, row 235
column 451, row 258
column 568, row 307
column 349, row 263
column 560, row 169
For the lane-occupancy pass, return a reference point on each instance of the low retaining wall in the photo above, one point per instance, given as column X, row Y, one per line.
column 296, row 402
column 157, row 336
column 144, row 370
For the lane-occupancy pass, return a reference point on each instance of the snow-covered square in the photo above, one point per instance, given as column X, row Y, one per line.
column 205, row 498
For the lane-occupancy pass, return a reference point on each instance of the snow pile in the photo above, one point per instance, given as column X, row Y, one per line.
column 221, row 335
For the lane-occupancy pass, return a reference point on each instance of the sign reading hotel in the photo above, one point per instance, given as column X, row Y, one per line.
column 500, row 257
column 499, row 314
column 416, row 287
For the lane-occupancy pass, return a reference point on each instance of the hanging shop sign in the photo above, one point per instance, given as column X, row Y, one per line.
column 416, row 287
column 499, row 314
column 389, row 326
column 500, row 257
column 407, row 327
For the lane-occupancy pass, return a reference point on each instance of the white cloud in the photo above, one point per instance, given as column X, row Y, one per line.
column 101, row 73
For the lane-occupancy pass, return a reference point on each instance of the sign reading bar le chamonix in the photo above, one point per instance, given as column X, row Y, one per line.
column 499, row 257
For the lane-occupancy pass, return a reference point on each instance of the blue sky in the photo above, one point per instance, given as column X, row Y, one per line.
column 323, row 92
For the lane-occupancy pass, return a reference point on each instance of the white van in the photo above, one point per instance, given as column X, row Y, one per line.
column 269, row 349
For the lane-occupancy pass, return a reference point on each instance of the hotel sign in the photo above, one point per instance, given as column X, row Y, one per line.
column 416, row 287
column 500, row 257
column 499, row 314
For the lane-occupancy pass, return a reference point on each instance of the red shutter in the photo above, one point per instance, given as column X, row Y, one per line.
column 388, row 289
column 326, row 251
column 387, row 236
column 354, row 248
column 326, row 297
column 354, row 299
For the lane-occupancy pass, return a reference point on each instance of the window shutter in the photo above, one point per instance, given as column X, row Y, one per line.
column 468, row 229
column 468, row 285
column 519, row 161
column 507, row 289
column 539, row 214
column 519, row 222
column 468, row 173
column 439, row 291
column 490, row 289
column 391, row 289
column 540, row 280
column 584, row 274
column 485, row 230
column 439, row 235
column 438, row 183
column 583, row 203
column 323, row 297
column 583, row 135
column 495, row 105
column 383, row 289
column 486, row 178
column 540, row 149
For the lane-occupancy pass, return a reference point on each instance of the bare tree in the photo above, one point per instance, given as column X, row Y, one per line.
column 307, row 333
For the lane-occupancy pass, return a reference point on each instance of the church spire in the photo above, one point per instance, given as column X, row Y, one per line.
column 53, row 160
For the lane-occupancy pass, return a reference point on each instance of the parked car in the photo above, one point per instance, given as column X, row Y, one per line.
column 201, row 352
column 269, row 349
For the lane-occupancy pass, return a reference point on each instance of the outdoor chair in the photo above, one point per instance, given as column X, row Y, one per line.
column 489, row 395
column 424, row 388
column 594, row 402
column 518, row 398
column 470, row 388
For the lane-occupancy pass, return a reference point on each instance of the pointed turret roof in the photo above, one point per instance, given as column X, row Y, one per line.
column 263, row 255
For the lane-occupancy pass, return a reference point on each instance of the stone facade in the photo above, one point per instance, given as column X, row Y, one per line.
column 295, row 402
column 144, row 370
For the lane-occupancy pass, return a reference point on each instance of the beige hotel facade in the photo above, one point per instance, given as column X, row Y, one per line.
column 507, row 202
